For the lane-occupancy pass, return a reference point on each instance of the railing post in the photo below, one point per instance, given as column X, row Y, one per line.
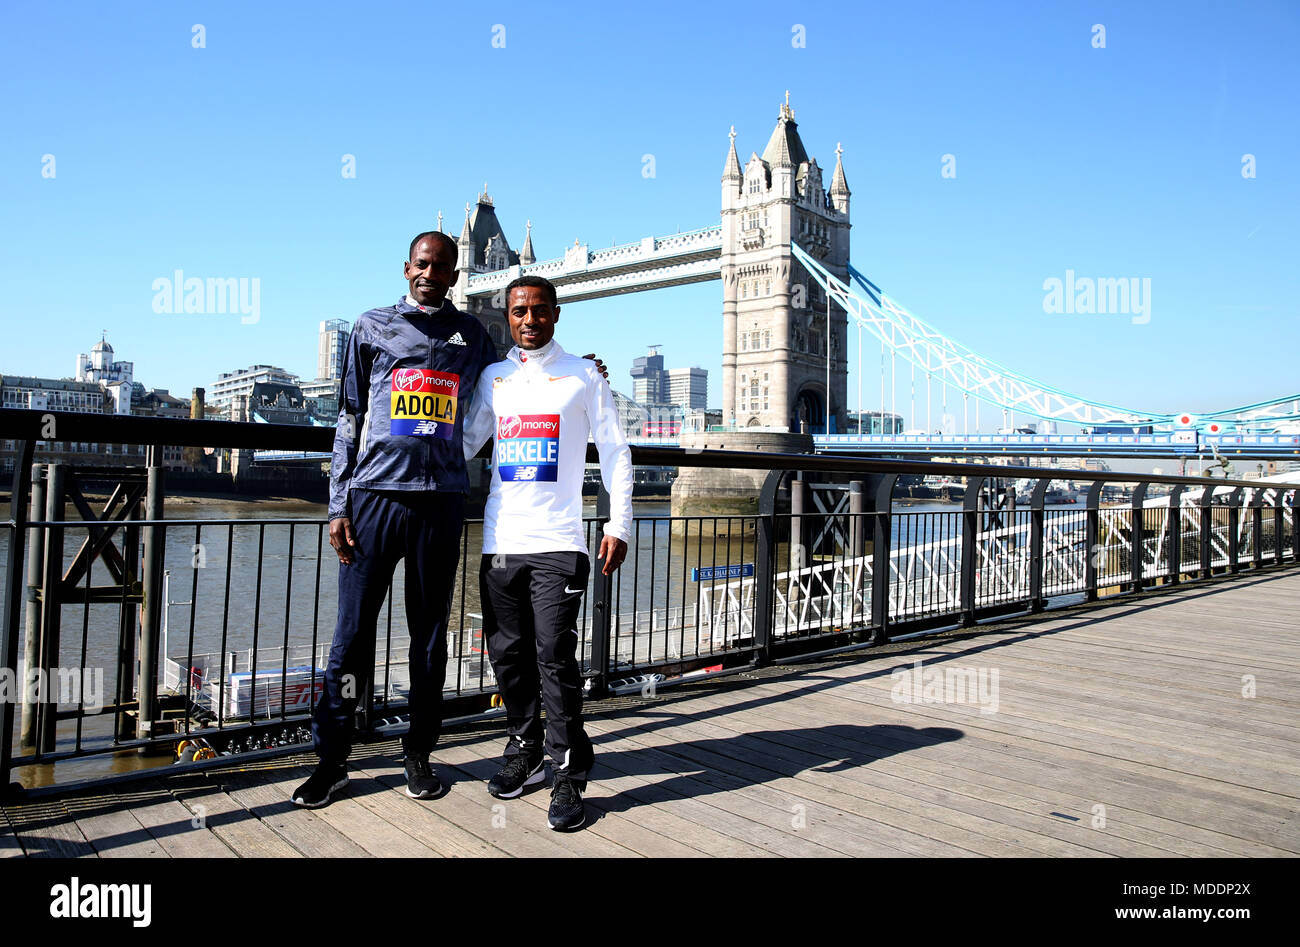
column 1091, row 531
column 35, row 570
column 602, row 608
column 1257, row 527
column 1207, row 531
column 857, row 528
column 151, row 619
column 765, row 568
column 1137, row 536
column 1037, row 525
column 882, row 528
column 13, row 591
column 1174, row 531
column 51, row 606
column 1295, row 526
column 857, row 540
column 1279, row 520
column 126, row 631
column 1234, row 526
column 800, row 505
column 970, row 524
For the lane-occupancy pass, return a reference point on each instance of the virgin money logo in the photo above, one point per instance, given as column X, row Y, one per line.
column 408, row 379
column 509, row 427
column 544, row 425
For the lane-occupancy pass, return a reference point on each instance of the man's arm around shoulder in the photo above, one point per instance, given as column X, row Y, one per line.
column 481, row 421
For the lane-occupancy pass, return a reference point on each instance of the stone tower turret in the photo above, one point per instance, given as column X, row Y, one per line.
column 526, row 255
column 775, row 345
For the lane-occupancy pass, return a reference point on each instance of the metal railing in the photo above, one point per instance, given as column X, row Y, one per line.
column 147, row 630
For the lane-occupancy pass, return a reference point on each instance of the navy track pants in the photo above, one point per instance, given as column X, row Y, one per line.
column 422, row 529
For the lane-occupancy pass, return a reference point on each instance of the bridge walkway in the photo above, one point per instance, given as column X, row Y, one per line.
column 1120, row 729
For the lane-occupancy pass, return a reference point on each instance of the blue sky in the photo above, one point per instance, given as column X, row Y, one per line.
column 224, row 161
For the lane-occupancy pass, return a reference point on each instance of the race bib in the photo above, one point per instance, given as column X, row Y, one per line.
column 528, row 447
column 424, row 402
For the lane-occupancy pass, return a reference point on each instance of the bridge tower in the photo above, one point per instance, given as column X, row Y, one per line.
column 483, row 247
column 774, row 320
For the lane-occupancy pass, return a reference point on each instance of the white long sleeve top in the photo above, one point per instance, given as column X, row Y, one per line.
column 541, row 407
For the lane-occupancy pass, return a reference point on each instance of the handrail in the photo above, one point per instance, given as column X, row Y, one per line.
column 23, row 424
column 865, row 602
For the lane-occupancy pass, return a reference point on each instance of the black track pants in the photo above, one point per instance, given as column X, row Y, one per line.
column 531, row 605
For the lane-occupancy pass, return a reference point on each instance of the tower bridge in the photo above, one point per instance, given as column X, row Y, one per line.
column 789, row 294
column 784, row 349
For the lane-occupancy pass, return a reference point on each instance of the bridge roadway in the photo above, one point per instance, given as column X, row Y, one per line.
column 1120, row 729
column 1238, row 447
column 1170, row 444
column 649, row 263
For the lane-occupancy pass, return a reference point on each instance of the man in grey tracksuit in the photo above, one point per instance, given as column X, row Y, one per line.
column 397, row 491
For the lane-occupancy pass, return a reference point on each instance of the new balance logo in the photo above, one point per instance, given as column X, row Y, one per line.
column 456, row 340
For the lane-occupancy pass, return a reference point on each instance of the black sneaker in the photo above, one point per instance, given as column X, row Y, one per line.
column 317, row 791
column 566, row 812
column 519, row 772
column 421, row 783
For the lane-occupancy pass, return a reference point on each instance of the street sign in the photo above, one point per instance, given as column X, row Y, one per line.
column 704, row 574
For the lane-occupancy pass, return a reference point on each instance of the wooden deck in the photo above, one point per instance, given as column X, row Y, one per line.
column 1120, row 730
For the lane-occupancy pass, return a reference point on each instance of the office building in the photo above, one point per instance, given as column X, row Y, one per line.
column 333, row 342
column 232, row 385
column 688, row 388
column 31, row 393
column 649, row 380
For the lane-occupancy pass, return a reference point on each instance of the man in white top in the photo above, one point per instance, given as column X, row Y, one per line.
column 541, row 404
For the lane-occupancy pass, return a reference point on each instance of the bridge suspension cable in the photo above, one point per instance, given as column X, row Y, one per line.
column 971, row 373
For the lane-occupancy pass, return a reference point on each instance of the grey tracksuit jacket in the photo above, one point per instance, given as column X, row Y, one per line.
column 409, row 375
